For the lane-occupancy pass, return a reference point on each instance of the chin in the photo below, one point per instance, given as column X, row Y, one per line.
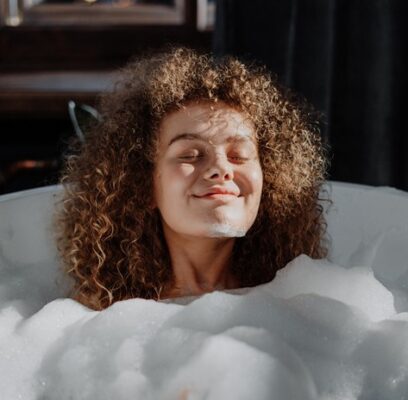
column 225, row 230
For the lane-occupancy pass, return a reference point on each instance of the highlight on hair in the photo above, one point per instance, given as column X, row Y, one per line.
column 111, row 241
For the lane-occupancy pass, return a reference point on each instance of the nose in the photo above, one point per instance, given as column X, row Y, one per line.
column 219, row 169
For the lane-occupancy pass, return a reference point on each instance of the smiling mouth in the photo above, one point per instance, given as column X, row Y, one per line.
column 224, row 197
column 216, row 195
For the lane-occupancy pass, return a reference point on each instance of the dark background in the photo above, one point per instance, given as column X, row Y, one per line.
column 347, row 57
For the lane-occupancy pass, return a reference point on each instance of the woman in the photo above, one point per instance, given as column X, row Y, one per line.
column 203, row 175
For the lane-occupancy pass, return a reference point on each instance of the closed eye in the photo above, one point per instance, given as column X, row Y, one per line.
column 192, row 157
column 235, row 158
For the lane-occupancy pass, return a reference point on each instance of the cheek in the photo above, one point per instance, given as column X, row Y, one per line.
column 257, row 177
column 255, row 180
column 185, row 171
column 172, row 180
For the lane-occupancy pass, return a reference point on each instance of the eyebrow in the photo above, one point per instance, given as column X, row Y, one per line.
column 196, row 136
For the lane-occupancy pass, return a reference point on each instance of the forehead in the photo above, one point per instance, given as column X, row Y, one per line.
column 208, row 121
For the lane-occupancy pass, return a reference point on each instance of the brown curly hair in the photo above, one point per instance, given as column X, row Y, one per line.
column 110, row 240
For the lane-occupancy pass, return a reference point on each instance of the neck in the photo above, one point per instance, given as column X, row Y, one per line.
column 200, row 265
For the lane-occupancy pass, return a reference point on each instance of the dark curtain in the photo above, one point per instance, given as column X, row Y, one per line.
column 349, row 59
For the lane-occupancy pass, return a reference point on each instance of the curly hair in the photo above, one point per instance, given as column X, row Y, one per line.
column 110, row 240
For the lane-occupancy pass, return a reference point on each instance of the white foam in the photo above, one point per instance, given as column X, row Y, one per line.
column 317, row 331
column 225, row 230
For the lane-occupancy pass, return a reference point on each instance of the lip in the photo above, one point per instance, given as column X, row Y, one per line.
column 221, row 196
column 218, row 192
column 217, row 198
column 218, row 195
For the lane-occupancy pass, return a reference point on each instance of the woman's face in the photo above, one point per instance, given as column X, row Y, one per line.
column 208, row 178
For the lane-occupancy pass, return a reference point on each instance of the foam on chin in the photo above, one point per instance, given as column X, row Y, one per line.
column 226, row 230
